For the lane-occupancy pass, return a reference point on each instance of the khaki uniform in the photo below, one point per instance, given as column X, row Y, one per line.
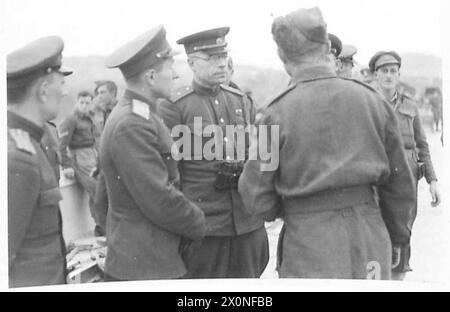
column 338, row 140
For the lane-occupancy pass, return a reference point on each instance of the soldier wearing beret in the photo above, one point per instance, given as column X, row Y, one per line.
column 386, row 66
column 333, row 226
column 345, row 61
column 35, row 83
column 151, row 225
column 236, row 244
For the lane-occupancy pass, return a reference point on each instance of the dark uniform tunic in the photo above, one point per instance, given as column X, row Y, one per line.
column 149, row 219
column 226, row 218
column 417, row 151
column 337, row 139
column 36, row 248
column 77, row 134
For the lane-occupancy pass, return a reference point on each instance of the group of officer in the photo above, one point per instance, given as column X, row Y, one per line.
column 346, row 186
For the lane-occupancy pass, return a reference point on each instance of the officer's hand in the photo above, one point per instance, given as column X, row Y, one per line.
column 396, row 256
column 69, row 173
column 435, row 195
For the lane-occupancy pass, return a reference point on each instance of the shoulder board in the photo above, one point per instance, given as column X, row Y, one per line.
column 141, row 109
column 232, row 90
column 22, row 140
column 181, row 93
column 279, row 96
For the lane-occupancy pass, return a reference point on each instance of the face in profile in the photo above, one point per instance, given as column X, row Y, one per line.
column 54, row 90
column 388, row 76
column 104, row 96
column 162, row 81
column 210, row 69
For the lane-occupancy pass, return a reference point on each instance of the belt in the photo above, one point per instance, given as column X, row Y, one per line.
column 329, row 200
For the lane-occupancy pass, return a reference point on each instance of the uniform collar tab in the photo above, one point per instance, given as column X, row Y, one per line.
column 16, row 121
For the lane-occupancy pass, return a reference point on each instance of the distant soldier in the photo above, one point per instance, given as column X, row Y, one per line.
column 79, row 156
column 35, row 82
column 367, row 75
column 151, row 225
column 436, row 108
column 335, row 50
column 346, row 61
column 236, row 244
column 105, row 101
column 338, row 139
column 386, row 66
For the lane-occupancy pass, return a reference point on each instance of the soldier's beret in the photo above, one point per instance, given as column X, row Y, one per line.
column 36, row 59
column 336, row 44
column 141, row 53
column 382, row 58
column 211, row 41
column 347, row 53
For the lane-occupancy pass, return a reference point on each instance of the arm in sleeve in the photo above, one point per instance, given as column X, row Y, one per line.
column 424, row 151
column 145, row 174
column 257, row 185
column 101, row 201
column 170, row 113
column 65, row 137
column 23, row 194
column 397, row 194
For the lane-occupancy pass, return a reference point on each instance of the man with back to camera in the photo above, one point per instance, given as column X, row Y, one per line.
column 333, row 227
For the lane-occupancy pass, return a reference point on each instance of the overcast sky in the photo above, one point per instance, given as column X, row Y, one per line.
column 100, row 26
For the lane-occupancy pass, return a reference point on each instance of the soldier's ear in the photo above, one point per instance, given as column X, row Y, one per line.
column 42, row 90
column 150, row 76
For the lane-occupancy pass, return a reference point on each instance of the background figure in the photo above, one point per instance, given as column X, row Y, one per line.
column 105, row 100
column 345, row 61
column 386, row 66
column 79, row 157
column 236, row 244
column 35, row 80
column 436, row 108
column 335, row 50
column 323, row 188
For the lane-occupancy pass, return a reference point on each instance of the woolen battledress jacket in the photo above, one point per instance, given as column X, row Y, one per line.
column 413, row 135
column 225, row 215
column 36, row 246
column 318, row 155
column 148, row 217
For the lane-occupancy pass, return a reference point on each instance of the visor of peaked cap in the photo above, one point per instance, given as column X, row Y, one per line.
column 310, row 23
column 348, row 51
column 42, row 54
column 36, row 59
column 384, row 58
column 211, row 41
column 336, row 44
column 140, row 53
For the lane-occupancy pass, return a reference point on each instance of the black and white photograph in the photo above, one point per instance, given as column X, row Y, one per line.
column 225, row 146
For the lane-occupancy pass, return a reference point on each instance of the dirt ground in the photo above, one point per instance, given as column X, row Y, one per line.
column 430, row 239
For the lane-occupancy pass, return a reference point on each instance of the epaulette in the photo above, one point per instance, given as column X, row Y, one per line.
column 141, row 109
column 181, row 93
column 22, row 140
column 279, row 96
column 232, row 90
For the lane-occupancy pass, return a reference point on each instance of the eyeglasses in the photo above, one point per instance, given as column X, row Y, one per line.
column 216, row 58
